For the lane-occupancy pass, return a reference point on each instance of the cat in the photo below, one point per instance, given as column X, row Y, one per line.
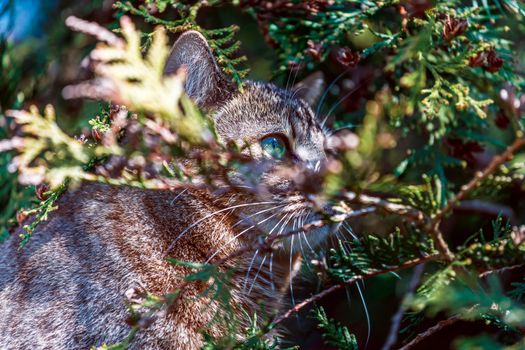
column 69, row 287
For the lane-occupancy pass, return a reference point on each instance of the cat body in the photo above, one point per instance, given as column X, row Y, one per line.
column 104, row 246
column 68, row 288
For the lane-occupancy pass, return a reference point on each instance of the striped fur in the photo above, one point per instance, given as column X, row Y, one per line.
column 67, row 289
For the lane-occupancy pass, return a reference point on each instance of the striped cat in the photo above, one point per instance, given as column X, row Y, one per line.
column 68, row 288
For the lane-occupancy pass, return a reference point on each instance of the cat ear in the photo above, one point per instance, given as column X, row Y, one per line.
column 205, row 83
column 310, row 88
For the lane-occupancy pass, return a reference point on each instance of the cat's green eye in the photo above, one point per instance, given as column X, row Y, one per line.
column 273, row 147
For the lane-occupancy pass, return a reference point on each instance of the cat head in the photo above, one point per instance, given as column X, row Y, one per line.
column 276, row 127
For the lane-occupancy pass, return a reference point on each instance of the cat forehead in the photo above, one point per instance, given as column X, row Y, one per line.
column 266, row 108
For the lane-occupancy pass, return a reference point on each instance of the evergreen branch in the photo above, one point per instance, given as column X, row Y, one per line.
column 496, row 162
column 95, row 30
column 40, row 212
column 221, row 40
column 432, row 225
column 410, row 213
column 469, row 310
column 352, row 280
column 334, row 334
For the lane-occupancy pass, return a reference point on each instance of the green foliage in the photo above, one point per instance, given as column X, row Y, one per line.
column 221, row 40
column 505, row 248
column 218, row 290
column 12, row 196
column 13, row 68
column 40, row 212
column 519, row 290
column 440, row 88
column 333, row 333
column 459, row 291
column 443, row 87
column 374, row 253
column 254, row 338
column 319, row 26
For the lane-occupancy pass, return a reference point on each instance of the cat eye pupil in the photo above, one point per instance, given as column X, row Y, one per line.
column 273, row 147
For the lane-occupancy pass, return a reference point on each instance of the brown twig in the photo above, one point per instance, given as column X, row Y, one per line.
column 95, row 30
column 433, row 228
column 398, row 316
column 433, row 225
column 411, row 214
column 430, row 331
column 319, row 296
column 444, row 323
column 500, row 271
column 406, row 211
column 480, row 176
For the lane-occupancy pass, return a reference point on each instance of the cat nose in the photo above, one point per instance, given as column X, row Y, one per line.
column 313, row 165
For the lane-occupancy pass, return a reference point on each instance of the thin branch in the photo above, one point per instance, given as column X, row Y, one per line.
column 319, row 296
column 430, row 331
column 406, row 211
column 444, row 323
column 266, row 245
column 412, row 214
column 433, row 225
column 398, row 316
column 479, row 177
column 500, row 271
column 95, row 30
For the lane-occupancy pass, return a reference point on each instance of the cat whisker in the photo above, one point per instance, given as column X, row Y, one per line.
column 367, row 314
column 359, row 290
column 249, row 269
column 304, row 234
column 257, row 213
column 293, row 83
column 308, row 243
column 290, row 73
column 283, row 226
column 347, row 248
column 271, row 254
column 396, row 275
column 271, row 271
column 290, row 278
column 178, row 196
column 301, row 244
column 209, row 216
column 348, row 229
column 348, row 298
column 250, row 216
column 327, row 90
column 237, row 236
column 341, row 100
column 257, row 274
column 256, row 252
column 271, row 260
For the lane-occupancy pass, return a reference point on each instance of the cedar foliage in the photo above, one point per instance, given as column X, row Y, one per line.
column 432, row 97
